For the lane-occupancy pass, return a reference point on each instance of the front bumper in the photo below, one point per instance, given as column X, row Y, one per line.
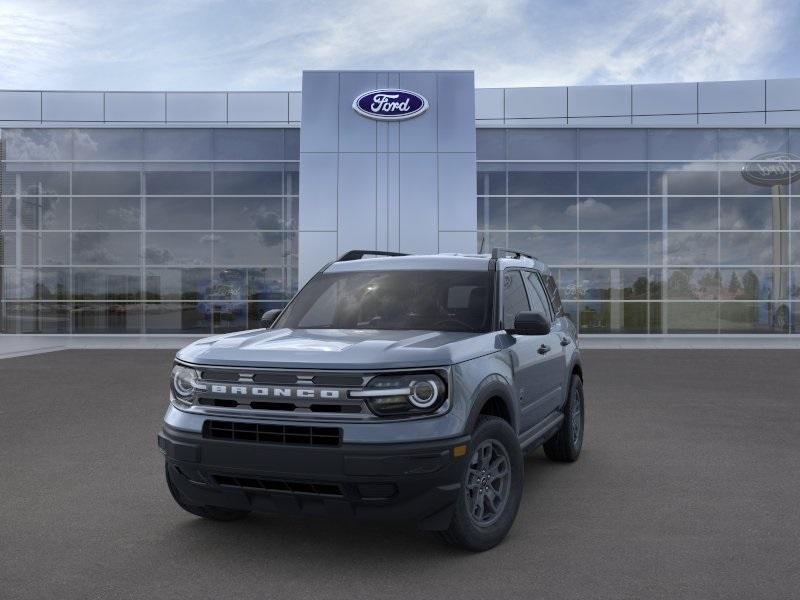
column 408, row 481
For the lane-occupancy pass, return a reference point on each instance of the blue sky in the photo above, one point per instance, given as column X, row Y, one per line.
column 249, row 45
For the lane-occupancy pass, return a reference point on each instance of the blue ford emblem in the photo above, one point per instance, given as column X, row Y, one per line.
column 772, row 168
column 390, row 105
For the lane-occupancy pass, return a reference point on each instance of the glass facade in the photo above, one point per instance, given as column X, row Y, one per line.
column 146, row 230
column 651, row 230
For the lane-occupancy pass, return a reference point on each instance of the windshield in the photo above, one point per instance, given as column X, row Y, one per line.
column 431, row 300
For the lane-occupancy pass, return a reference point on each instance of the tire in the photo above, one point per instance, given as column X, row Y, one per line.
column 565, row 445
column 214, row 513
column 478, row 532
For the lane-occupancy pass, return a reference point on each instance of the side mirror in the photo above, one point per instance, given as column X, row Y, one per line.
column 530, row 323
column 269, row 317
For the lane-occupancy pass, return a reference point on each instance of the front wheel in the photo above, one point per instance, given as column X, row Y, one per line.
column 565, row 445
column 491, row 490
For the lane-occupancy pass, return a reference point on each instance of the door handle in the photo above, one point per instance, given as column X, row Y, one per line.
column 543, row 349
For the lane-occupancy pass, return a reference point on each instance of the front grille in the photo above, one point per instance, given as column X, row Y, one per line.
column 352, row 407
column 264, row 433
column 278, row 485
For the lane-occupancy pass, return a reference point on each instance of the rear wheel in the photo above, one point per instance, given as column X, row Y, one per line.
column 565, row 445
column 491, row 490
column 215, row 513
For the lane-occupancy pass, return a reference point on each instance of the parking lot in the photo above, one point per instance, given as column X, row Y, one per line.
column 687, row 488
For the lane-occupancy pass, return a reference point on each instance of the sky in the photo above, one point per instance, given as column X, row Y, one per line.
column 265, row 45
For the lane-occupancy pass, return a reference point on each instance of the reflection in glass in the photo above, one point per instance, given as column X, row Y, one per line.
column 101, row 317
column 683, row 182
column 542, row 144
column 491, row 144
column 177, row 318
column 177, row 284
column 229, row 316
column 248, row 213
column 745, row 144
column 611, row 183
column 35, row 317
column 107, row 144
column 613, row 249
column 178, row 248
column 187, row 183
column 248, row 182
column 612, row 284
column 105, row 248
column 491, row 180
column 690, row 317
column 612, row 213
column 44, row 212
column 524, row 180
column 693, row 284
column 251, row 248
column 541, row 213
column 682, row 144
column 612, row 144
column 749, row 248
column 692, row 213
column 177, row 144
column 613, row 317
column 106, row 284
column 754, row 213
column 553, row 248
column 754, row 317
column 248, row 144
column 692, row 248
column 122, row 183
column 106, row 213
column 755, row 283
column 178, row 213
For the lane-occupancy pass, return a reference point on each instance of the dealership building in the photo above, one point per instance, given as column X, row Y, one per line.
column 663, row 209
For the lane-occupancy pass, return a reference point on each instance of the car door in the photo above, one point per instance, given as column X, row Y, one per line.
column 554, row 357
column 528, row 364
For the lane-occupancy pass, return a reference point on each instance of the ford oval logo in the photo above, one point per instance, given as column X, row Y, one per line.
column 772, row 168
column 390, row 105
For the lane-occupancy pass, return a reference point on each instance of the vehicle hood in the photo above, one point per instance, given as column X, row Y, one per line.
column 338, row 348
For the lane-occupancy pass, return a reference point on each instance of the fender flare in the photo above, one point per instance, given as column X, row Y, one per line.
column 494, row 386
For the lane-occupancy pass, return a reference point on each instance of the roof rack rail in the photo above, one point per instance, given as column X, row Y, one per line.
column 504, row 252
column 359, row 254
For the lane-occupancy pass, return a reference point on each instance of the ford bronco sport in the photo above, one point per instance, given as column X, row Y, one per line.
column 390, row 386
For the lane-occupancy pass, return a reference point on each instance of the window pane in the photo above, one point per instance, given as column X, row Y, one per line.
column 177, row 284
column 178, row 248
column 178, row 213
column 45, row 212
column 684, row 183
column 177, row 144
column 8, row 213
column 98, row 317
column 42, row 183
column 754, row 213
column 692, row 248
column 551, row 248
column 108, row 144
column 749, row 248
column 188, row 183
column 491, row 144
column 103, row 248
column 613, row 284
column 755, row 284
column 117, row 183
column 613, row 248
column 542, row 213
column 754, row 317
column 8, row 249
column 106, row 284
column 524, row 180
column 732, row 182
column 38, row 144
column 249, row 248
column 36, row 284
column 613, row 213
column 613, row 144
column 491, row 179
column 567, row 282
column 177, row 318
column 266, row 284
column 613, row 182
column 45, row 248
column 613, row 317
column 248, row 213
column 690, row 317
column 229, row 316
column 492, row 213
column 35, row 317
column 291, row 144
column 693, row 284
column 250, row 183
column 106, row 213
column 248, row 144
column 515, row 299
column 542, row 144
column 692, row 213
column 746, row 144
column 682, row 144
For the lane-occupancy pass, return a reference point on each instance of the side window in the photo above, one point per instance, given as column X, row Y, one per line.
column 515, row 299
column 537, row 295
column 555, row 297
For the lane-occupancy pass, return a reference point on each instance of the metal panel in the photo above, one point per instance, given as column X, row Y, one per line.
column 419, row 134
column 418, row 212
column 393, row 200
column 136, row 107
column 316, row 248
column 534, row 103
column 599, row 121
column 457, row 192
column 783, row 94
column 664, row 120
column 320, row 129
column 665, row 99
column 318, row 184
column 554, row 122
column 196, row 107
column 732, row 119
column 491, row 122
column 458, row 241
column 258, row 106
column 784, row 118
column 731, row 96
column 356, row 132
column 72, row 106
column 382, row 200
column 456, row 117
column 20, row 106
column 489, row 103
column 295, row 105
column 599, row 101
column 356, row 207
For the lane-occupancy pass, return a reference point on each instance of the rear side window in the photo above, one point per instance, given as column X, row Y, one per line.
column 555, row 297
column 537, row 296
column 515, row 299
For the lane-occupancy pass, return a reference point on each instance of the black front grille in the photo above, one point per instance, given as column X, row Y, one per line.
column 279, row 485
column 264, row 433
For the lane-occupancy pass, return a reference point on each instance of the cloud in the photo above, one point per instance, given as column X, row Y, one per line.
column 212, row 44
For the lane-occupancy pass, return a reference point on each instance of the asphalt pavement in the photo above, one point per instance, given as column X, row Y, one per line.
column 687, row 488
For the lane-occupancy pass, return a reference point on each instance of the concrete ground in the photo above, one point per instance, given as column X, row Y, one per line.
column 687, row 488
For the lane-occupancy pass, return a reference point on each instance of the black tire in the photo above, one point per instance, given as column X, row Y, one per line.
column 565, row 445
column 479, row 533
column 215, row 513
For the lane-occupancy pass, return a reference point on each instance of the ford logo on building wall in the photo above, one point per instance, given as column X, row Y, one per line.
column 772, row 168
column 390, row 105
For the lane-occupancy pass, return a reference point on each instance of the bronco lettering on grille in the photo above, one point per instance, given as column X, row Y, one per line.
column 272, row 392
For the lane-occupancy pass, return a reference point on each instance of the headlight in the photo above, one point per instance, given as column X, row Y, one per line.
column 406, row 394
column 183, row 380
